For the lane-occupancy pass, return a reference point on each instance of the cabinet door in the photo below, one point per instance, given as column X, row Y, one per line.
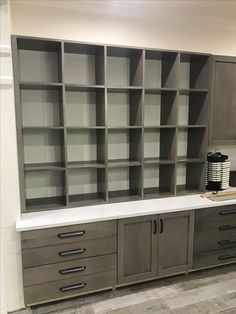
column 137, row 249
column 175, row 242
column 223, row 113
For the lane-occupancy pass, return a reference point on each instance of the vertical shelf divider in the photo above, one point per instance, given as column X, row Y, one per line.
column 64, row 150
column 106, row 125
column 142, row 121
column 19, row 133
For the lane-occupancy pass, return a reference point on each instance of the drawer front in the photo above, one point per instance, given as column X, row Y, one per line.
column 215, row 228
column 69, row 234
column 69, row 287
column 219, row 242
column 214, row 258
column 66, row 252
column 217, row 213
column 64, row 270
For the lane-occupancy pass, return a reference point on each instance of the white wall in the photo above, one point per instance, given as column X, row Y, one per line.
column 118, row 22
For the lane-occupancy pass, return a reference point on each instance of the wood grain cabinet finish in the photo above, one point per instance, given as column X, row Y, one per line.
column 223, row 111
column 175, row 243
column 215, row 236
column 68, row 261
column 137, row 249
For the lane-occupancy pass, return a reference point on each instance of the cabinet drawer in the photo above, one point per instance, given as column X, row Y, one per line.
column 215, row 243
column 215, row 228
column 65, row 252
column 69, row 287
column 217, row 213
column 214, row 258
column 68, row 234
column 64, row 270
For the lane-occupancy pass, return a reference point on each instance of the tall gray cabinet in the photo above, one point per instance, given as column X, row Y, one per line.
column 100, row 123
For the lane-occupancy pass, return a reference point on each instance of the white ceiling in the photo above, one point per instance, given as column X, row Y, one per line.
column 200, row 12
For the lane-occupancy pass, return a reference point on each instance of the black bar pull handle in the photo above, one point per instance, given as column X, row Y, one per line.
column 225, row 242
column 224, row 257
column 161, row 225
column 227, row 227
column 71, row 252
column 228, row 212
column 72, row 270
column 155, row 227
column 71, row 234
column 73, row 287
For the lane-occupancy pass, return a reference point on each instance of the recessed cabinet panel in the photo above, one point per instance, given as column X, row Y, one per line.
column 175, row 243
column 137, row 249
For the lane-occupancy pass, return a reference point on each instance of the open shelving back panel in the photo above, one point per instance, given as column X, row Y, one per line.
column 99, row 123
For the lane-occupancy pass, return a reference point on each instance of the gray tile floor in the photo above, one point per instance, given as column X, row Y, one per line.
column 206, row 292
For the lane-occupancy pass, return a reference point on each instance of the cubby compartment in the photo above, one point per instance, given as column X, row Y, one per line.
column 41, row 107
column 159, row 180
column 194, row 71
column 43, row 148
column 86, row 186
column 86, row 148
column 190, row 177
column 84, row 64
column 124, row 183
column 193, row 108
column 124, row 147
column 159, row 145
column 39, row 60
column 160, row 108
column 45, row 188
column 192, row 144
column 124, row 107
column 124, row 67
column 85, row 107
column 161, row 69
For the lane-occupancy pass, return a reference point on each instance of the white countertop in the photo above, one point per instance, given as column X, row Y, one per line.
column 86, row 214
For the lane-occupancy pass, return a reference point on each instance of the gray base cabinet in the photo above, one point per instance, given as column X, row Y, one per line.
column 175, row 243
column 137, row 249
column 154, row 246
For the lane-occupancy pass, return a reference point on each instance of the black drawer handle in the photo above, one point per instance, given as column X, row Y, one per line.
column 71, row 252
column 227, row 227
column 225, row 242
column 224, row 257
column 72, row 270
column 73, row 287
column 155, row 227
column 161, row 225
column 71, row 234
column 228, row 212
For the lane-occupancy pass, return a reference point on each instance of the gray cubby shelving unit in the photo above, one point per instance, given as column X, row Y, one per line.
column 101, row 123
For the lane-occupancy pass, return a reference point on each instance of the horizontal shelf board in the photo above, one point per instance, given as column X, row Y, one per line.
column 28, row 43
column 83, row 87
column 43, row 128
column 85, row 127
column 122, row 195
column 86, row 199
column 85, row 164
column 40, row 85
column 185, row 159
column 122, row 89
column 187, row 91
column 44, row 166
column 156, row 192
column 158, row 161
column 192, row 126
column 45, row 202
column 124, row 127
column 183, row 190
column 160, row 90
column 123, row 163
column 160, row 126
